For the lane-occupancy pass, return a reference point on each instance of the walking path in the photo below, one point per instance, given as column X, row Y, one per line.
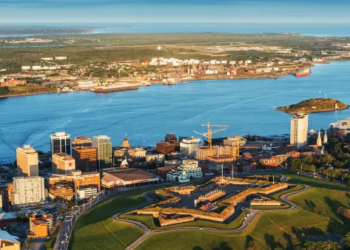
column 250, row 217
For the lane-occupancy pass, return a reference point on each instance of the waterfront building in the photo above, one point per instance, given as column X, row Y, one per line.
column 8, row 241
column 188, row 146
column 40, row 227
column 104, row 150
column 128, row 178
column 188, row 170
column 28, row 190
column 60, row 143
column 62, row 163
column 85, row 158
column 298, row 130
column 233, row 141
column 171, row 144
column 27, row 161
column 126, row 151
column 81, row 141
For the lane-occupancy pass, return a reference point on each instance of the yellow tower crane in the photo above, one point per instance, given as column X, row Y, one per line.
column 235, row 153
column 209, row 134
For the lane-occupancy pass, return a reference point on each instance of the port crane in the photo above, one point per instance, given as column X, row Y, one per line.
column 209, row 134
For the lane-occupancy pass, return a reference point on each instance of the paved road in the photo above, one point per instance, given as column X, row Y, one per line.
column 250, row 217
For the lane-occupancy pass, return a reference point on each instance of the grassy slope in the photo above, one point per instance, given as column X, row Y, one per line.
column 271, row 230
column 97, row 230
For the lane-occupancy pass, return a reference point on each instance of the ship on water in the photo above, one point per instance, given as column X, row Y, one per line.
column 302, row 73
column 341, row 124
column 114, row 87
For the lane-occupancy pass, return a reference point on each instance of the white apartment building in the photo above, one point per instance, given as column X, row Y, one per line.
column 28, row 190
column 298, row 129
column 86, row 193
column 189, row 169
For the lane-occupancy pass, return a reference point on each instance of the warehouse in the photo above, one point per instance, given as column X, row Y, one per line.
column 128, row 178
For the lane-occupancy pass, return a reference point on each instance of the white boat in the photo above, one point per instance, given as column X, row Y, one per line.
column 341, row 124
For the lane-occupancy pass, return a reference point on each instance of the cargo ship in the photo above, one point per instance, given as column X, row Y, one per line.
column 304, row 72
column 114, row 87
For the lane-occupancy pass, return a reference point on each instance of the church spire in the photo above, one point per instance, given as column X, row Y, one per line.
column 319, row 139
column 325, row 138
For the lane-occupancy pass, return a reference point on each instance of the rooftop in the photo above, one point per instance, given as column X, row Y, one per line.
column 27, row 149
column 128, row 175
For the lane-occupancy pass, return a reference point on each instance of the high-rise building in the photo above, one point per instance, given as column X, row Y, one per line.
column 81, row 141
column 27, row 161
column 62, row 163
column 60, row 143
column 298, row 130
column 104, row 150
column 28, row 190
column 85, row 158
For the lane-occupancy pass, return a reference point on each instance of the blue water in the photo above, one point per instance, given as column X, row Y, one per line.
column 318, row 29
column 321, row 29
column 146, row 115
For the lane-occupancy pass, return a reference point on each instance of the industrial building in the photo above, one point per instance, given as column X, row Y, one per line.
column 128, row 178
column 27, row 161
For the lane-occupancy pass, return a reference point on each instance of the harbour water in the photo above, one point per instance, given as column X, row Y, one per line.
column 147, row 114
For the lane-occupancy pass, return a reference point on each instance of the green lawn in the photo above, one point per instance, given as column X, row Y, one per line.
column 272, row 230
column 97, row 230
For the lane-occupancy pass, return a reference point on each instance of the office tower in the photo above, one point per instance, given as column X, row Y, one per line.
column 62, row 163
column 298, row 130
column 28, row 190
column 60, row 143
column 85, row 158
column 104, row 150
column 81, row 141
column 27, row 161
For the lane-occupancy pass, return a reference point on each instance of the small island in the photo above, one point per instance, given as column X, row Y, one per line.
column 314, row 105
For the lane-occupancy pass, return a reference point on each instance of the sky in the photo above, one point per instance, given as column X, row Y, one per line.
column 197, row 11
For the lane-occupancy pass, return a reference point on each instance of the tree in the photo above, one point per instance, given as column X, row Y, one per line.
column 252, row 245
column 320, row 245
column 346, row 240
